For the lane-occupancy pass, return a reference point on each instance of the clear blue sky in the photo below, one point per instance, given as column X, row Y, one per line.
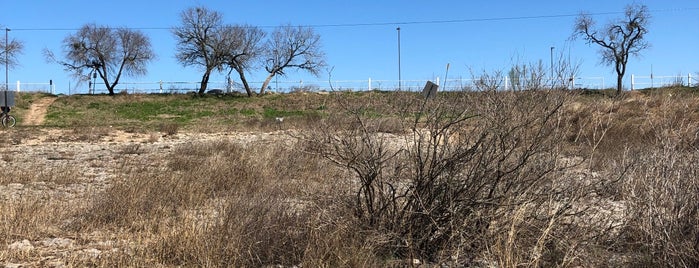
column 360, row 37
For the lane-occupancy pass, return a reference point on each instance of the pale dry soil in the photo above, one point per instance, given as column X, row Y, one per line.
column 50, row 164
column 37, row 111
column 68, row 169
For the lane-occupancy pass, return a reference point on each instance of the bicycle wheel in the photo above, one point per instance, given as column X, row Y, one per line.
column 9, row 121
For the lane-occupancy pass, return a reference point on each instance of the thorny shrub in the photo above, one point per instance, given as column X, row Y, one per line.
column 467, row 170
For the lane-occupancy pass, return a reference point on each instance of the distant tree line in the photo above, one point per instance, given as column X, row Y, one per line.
column 203, row 40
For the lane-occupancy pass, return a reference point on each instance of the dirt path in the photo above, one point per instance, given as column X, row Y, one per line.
column 37, row 111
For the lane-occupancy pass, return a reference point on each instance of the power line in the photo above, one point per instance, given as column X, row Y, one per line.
column 487, row 19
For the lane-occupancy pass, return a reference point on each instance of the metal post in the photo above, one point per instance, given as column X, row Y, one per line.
column 689, row 79
column 552, row 67
column 7, row 84
column 651, row 77
column 399, row 78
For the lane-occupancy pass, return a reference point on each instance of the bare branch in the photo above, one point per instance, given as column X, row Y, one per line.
column 293, row 47
column 109, row 52
column 199, row 41
column 243, row 46
column 10, row 52
column 619, row 39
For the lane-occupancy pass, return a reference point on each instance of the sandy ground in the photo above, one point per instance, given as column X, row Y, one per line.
column 37, row 111
column 52, row 163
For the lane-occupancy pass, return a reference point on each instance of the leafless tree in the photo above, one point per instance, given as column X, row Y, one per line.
column 200, row 41
column 525, row 77
column 618, row 40
column 107, row 52
column 292, row 47
column 243, row 47
column 9, row 53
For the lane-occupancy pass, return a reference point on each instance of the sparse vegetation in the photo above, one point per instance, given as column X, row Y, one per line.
column 373, row 179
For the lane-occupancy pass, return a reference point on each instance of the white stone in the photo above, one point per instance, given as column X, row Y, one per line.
column 57, row 242
column 23, row 245
column 93, row 252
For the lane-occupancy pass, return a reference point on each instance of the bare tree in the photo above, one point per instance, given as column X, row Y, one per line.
column 9, row 53
column 292, row 47
column 200, row 41
column 618, row 40
column 243, row 46
column 107, row 52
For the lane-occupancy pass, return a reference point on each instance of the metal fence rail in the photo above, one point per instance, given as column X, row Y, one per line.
column 452, row 84
column 651, row 81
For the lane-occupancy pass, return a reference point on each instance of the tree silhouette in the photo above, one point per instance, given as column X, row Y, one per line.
column 618, row 40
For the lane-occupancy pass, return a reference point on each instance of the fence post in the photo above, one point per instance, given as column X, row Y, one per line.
column 632, row 82
column 369, row 89
column 689, row 79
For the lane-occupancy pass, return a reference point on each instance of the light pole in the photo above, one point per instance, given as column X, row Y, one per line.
column 7, row 30
column 399, row 78
column 552, row 67
column 7, row 85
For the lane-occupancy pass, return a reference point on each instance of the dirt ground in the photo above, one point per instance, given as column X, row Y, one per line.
column 54, row 164
column 37, row 111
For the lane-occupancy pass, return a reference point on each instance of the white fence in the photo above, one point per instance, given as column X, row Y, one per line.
column 639, row 81
column 30, row 87
column 452, row 84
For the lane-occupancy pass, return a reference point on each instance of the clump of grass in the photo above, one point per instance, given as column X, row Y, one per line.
column 169, row 128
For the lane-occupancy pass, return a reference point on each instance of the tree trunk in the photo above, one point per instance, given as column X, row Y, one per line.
column 110, row 88
column 204, row 82
column 241, row 73
column 266, row 83
column 619, row 84
column 620, row 71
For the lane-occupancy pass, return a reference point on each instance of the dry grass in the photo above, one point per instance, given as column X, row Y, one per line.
column 557, row 179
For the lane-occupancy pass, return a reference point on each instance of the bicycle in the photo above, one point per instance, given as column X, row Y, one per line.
column 8, row 120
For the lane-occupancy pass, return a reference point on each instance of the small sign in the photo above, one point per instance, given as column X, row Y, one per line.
column 7, row 98
column 430, row 90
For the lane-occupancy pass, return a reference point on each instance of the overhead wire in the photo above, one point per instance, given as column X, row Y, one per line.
column 467, row 20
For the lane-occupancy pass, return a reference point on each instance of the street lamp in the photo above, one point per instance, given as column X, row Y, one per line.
column 7, row 85
column 7, row 30
column 399, row 79
column 552, row 67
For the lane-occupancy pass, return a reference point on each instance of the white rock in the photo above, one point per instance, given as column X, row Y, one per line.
column 93, row 252
column 23, row 245
column 16, row 186
column 58, row 242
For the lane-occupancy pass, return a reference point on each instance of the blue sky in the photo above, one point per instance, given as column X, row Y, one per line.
column 360, row 37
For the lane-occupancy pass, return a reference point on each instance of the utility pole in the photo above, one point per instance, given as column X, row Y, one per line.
column 552, row 67
column 399, row 78
column 7, row 72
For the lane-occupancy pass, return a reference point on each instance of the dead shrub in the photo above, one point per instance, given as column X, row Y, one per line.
column 169, row 128
column 661, row 193
column 29, row 217
column 434, row 193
